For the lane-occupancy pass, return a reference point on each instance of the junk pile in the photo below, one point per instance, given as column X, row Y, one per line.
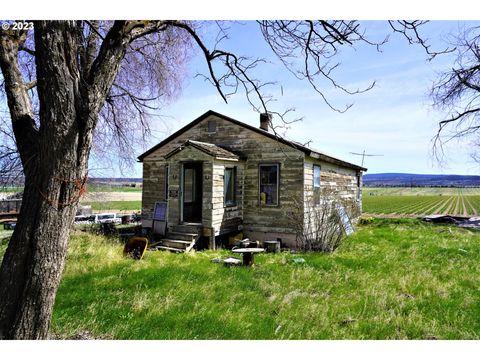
column 460, row 221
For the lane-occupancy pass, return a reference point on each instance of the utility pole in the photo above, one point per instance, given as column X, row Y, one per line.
column 363, row 155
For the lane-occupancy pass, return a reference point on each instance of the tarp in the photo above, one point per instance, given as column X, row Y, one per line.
column 460, row 221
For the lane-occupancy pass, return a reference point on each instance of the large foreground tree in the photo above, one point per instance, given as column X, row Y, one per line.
column 68, row 82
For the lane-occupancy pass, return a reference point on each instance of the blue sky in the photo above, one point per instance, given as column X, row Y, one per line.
column 395, row 118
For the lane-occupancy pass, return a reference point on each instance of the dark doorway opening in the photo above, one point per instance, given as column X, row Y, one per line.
column 192, row 192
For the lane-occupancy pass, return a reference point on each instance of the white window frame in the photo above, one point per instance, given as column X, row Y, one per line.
column 234, row 177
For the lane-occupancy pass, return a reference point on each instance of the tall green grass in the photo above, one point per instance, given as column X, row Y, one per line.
column 396, row 279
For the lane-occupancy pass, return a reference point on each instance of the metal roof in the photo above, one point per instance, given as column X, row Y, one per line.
column 308, row 151
column 210, row 149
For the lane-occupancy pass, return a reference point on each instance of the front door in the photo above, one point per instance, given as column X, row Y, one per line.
column 192, row 192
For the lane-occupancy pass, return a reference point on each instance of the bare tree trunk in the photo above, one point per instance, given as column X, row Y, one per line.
column 71, row 93
column 55, row 166
column 33, row 264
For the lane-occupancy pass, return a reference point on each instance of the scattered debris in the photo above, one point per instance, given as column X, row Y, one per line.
column 135, row 247
column 347, row 321
column 444, row 219
column 246, row 243
column 472, row 223
column 407, row 296
column 271, row 246
column 460, row 221
column 230, row 261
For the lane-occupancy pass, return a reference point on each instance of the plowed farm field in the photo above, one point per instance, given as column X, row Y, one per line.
column 423, row 201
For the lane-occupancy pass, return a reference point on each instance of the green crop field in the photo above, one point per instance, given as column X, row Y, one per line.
column 422, row 201
column 111, row 188
column 91, row 188
column 134, row 205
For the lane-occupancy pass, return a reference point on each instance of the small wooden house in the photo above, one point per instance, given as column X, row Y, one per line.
column 219, row 176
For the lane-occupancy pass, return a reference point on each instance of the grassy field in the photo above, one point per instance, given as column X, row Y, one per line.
column 91, row 188
column 10, row 189
column 393, row 279
column 421, row 201
column 110, row 188
column 4, row 236
column 134, row 205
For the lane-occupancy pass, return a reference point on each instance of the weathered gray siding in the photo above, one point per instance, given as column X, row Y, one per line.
column 226, row 218
column 341, row 181
column 153, row 186
column 260, row 222
column 257, row 149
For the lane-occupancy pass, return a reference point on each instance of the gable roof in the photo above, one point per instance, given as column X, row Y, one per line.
column 210, row 149
column 309, row 152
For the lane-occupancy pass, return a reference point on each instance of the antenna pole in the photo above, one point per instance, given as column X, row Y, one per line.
column 363, row 154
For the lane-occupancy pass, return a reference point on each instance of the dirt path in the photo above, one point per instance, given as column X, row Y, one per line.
column 457, row 206
column 465, row 211
column 471, row 206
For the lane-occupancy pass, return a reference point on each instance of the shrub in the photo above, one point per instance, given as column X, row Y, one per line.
column 319, row 227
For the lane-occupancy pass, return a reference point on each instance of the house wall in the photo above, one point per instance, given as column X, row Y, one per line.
column 257, row 149
column 226, row 219
column 153, row 186
column 341, row 181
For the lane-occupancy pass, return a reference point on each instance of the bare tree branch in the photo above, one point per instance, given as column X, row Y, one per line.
column 409, row 29
column 457, row 93
column 315, row 43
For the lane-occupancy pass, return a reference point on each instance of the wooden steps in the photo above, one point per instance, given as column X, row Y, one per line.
column 166, row 248
column 181, row 239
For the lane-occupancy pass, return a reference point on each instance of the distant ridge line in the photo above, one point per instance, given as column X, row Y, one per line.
column 406, row 179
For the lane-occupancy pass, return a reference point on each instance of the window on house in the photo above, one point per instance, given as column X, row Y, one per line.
column 212, row 126
column 229, row 186
column 316, row 184
column 269, row 180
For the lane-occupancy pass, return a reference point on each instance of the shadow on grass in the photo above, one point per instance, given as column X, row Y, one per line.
column 150, row 301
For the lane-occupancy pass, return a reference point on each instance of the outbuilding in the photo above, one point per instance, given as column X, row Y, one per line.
column 219, row 176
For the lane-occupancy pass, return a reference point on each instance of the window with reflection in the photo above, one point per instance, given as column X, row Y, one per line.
column 269, row 183
column 316, row 184
column 229, row 186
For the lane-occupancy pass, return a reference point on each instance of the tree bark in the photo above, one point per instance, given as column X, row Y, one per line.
column 55, row 165
column 71, row 91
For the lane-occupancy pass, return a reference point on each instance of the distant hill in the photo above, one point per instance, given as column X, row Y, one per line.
column 113, row 180
column 400, row 179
